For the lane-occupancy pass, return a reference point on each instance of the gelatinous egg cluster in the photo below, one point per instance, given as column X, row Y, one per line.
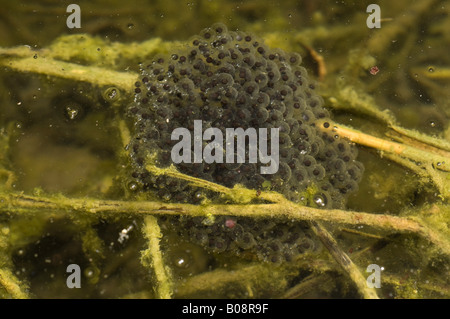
column 229, row 80
column 268, row 240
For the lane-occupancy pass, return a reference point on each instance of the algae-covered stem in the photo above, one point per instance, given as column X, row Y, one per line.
column 71, row 71
column 252, row 276
column 9, row 282
column 17, row 203
column 23, row 59
column 153, row 258
column 56, row 59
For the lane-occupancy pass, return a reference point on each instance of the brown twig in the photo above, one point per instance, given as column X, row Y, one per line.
column 344, row 261
column 321, row 66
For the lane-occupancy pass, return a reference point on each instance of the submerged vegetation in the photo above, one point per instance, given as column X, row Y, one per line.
column 67, row 195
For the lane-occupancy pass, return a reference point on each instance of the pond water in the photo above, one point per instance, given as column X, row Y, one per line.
column 94, row 98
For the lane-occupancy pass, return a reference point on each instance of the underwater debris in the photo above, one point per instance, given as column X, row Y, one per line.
column 374, row 70
column 232, row 79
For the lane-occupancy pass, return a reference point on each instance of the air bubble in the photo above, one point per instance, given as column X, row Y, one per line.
column 89, row 272
column 72, row 112
column 320, row 200
column 133, row 186
column 182, row 260
column 111, row 94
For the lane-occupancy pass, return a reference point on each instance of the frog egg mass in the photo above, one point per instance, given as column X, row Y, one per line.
column 224, row 80
column 214, row 151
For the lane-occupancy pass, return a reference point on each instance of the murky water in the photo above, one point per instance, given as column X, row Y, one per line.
column 77, row 181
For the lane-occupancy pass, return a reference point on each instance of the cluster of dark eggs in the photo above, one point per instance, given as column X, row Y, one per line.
column 229, row 80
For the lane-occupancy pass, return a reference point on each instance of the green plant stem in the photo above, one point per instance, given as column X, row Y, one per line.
column 91, row 74
column 152, row 258
column 17, row 203
column 238, row 194
column 10, row 283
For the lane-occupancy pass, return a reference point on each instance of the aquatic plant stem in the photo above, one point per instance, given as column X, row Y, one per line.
column 413, row 153
column 421, row 140
column 152, row 258
column 91, row 74
column 432, row 160
column 344, row 261
column 18, row 203
column 321, row 66
column 253, row 275
column 222, row 278
column 309, row 284
column 238, row 194
column 10, row 283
